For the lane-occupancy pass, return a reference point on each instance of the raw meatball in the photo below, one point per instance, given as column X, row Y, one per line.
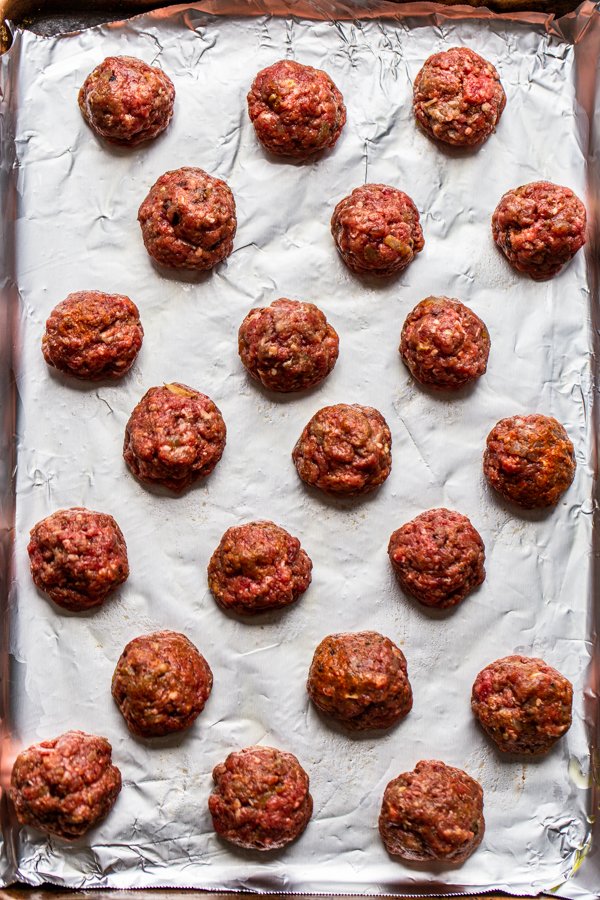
column 444, row 344
column 256, row 567
column 78, row 557
column 529, row 460
column 377, row 230
column 523, row 704
column 434, row 812
column 174, row 436
column 161, row 683
column 188, row 220
column 288, row 346
column 296, row 110
column 65, row 786
column 344, row 450
column 127, row 101
column 539, row 227
column 438, row 557
column 458, row 98
column 360, row 680
column 261, row 799
column 93, row 335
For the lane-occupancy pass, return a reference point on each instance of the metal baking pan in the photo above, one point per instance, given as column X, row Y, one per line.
column 55, row 17
column 586, row 98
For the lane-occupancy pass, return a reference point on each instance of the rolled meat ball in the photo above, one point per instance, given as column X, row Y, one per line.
column 65, row 786
column 296, row 110
column 261, row 799
column 188, row 220
column 523, row 704
column 78, row 557
column 360, row 680
column 288, row 346
column 258, row 567
column 126, row 101
column 539, row 227
column 344, row 449
column 444, row 344
column 458, row 98
column 161, row 683
column 434, row 813
column 529, row 460
column 377, row 230
column 93, row 335
column 438, row 557
column 174, row 436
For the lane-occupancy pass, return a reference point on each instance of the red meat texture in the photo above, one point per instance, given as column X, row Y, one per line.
column 261, row 799
column 344, row 449
column 65, row 786
column 126, row 101
column 296, row 110
column 458, row 98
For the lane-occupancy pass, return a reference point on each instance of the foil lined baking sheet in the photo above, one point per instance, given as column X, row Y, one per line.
column 75, row 228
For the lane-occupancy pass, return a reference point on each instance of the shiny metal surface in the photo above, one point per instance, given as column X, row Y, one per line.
column 75, row 228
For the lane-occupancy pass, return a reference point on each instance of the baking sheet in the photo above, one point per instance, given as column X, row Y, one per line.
column 76, row 228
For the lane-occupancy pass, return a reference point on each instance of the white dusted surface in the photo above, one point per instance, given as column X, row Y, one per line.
column 77, row 229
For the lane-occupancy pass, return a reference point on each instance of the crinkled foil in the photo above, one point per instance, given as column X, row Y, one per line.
column 74, row 225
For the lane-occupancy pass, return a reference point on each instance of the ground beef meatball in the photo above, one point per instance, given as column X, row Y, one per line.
column 256, row 567
column 174, row 436
column 344, row 450
column 529, row 460
column 65, row 786
column 261, row 799
column 360, row 680
column 78, row 557
column 377, row 230
column 296, row 110
column 126, row 101
column 444, row 344
column 458, row 98
column 438, row 557
column 188, row 220
column 288, row 346
column 161, row 683
column 93, row 335
column 523, row 704
column 434, row 812
column 539, row 227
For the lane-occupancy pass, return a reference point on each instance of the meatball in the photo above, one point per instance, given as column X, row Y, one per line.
column 288, row 346
column 174, row 436
column 360, row 680
column 539, row 227
column 188, row 220
column 344, row 450
column 65, row 786
column 261, row 799
column 161, row 683
column 256, row 567
column 126, row 101
column 296, row 110
column 434, row 812
column 444, row 344
column 529, row 460
column 93, row 335
column 78, row 557
column 438, row 557
column 523, row 704
column 377, row 230
column 458, row 98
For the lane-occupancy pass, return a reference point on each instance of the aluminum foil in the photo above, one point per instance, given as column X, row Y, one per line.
column 75, row 228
